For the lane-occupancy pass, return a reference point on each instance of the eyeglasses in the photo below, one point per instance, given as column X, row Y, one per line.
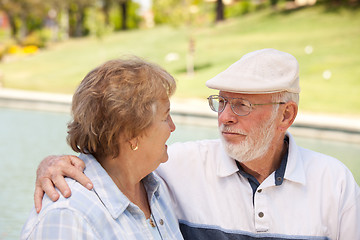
column 239, row 106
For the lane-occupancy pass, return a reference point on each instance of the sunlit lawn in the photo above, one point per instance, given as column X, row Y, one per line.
column 334, row 37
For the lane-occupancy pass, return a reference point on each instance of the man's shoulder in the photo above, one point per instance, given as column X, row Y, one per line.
column 315, row 158
column 312, row 158
column 195, row 145
column 325, row 167
column 189, row 157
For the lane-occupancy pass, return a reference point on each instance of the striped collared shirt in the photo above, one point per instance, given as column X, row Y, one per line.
column 104, row 212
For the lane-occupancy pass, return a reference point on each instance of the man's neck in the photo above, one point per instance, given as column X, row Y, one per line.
column 262, row 167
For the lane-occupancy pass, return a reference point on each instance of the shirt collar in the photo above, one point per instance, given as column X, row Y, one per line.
column 278, row 175
column 107, row 191
column 152, row 184
column 226, row 166
column 295, row 168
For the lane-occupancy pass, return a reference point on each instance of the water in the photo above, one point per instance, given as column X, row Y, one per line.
column 27, row 136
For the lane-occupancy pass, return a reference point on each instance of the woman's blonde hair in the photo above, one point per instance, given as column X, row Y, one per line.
column 116, row 99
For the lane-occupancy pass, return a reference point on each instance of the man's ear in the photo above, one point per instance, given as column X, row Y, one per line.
column 289, row 112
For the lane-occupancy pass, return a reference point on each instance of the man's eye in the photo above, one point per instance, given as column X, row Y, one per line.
column 242, row 105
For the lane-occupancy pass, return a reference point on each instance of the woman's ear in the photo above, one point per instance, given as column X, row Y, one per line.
column 289, row 113
column 134, row 144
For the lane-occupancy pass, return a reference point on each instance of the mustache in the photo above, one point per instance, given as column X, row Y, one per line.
column 229, row 129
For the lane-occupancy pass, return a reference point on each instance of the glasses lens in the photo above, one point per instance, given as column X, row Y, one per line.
column 216, row 103
column 241, row 107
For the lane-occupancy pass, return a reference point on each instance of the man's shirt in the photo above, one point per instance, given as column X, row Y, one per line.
column 104, row 212
column 317, row 199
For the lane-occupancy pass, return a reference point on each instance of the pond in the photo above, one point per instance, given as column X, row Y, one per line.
column 26, row 137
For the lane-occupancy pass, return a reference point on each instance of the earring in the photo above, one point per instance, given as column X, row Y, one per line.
column 134, row 148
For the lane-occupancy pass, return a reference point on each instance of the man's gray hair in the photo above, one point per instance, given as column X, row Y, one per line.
column 284, row 97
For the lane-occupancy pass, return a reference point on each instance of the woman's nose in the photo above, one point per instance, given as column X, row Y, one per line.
column 171, row 124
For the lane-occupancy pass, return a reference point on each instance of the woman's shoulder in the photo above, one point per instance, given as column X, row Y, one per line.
column 81, row 198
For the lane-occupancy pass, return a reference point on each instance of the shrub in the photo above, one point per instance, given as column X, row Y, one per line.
column 37, row 38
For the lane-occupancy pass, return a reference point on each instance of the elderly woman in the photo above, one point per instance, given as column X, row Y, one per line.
column 121, row 122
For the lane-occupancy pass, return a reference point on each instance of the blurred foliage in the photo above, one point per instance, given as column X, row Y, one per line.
column 37, row 22
column 77, row 18
column 180, row 12
column 67, row 18
column 324, row 41
column 133, row 19
column 241, row 8
column 38, row 38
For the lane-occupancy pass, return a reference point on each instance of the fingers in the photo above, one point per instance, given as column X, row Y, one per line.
column 61, row 184
column 38, row 195
column 76, row 172
column 52, row 171
column 76, row 162
column 44, row 185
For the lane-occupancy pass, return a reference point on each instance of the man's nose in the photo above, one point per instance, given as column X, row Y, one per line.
column 227, row 116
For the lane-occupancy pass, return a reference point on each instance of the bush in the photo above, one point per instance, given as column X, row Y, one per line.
column 240, row 8
column 14, row 49
column 38, row 38
column 3, row 51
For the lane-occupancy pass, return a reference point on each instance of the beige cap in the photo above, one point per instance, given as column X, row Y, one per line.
column 261, row 71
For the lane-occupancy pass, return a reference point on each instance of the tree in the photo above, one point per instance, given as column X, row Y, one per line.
column 24, row 15
column 122, row 5
column 124, row 13
column 77, row 12
column 219, row 11
column 106, row 6
column 181, row 12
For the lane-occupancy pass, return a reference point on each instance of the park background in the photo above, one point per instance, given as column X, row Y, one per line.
column 49, row 46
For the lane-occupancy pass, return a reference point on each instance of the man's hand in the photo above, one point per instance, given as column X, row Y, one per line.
column 52, row 171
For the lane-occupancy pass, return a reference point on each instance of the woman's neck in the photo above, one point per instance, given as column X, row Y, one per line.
column 127, row 178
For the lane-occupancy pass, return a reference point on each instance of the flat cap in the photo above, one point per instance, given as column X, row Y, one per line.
column 262, row 71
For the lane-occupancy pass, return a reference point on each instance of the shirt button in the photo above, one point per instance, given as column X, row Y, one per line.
column 279, row 179
column 161, row 222
column 261, row 214
column 259, row 191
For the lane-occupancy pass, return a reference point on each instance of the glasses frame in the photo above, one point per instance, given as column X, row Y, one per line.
column 229, row 100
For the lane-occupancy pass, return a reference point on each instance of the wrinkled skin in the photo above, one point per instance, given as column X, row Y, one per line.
column 51, row 171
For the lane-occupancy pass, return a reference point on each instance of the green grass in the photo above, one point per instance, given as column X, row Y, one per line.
column 334, row 36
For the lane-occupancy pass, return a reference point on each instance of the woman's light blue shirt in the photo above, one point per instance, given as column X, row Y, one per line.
column 104, row 212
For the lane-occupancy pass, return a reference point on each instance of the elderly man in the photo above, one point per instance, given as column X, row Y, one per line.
column 254, row 182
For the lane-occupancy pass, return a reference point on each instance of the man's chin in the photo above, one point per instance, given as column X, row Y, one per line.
column 234, row 142
column 233, row 138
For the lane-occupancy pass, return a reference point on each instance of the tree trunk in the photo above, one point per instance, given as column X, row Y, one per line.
column 80, row 17
column 219, row 11
column 190, row 61
column 106, row 11
column 123, row 9
column 23, row 31
column 14, row 30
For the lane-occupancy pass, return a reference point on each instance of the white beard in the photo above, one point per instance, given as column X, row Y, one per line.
column 256, row 143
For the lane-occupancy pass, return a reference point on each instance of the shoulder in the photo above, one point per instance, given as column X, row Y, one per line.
column 68, row 214
column 321, row 162
column 194, row 144
column 314, row 161
column 182, row 149
column 194, row 153
column 326, row 170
